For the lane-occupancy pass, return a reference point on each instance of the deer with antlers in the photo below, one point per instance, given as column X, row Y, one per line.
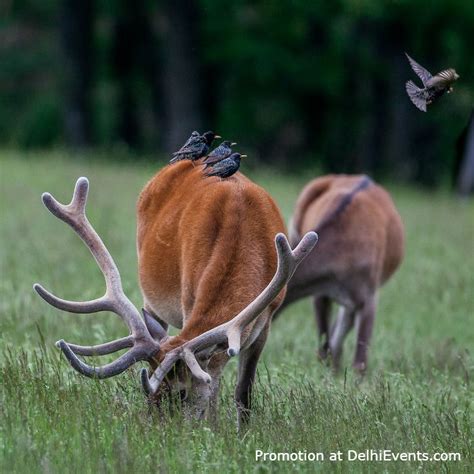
column 207, row 266
column 361, row 245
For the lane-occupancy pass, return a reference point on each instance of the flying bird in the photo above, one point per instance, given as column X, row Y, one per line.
column 195, row 148
column 227, row 167
column 433, row 86
column 224, row 150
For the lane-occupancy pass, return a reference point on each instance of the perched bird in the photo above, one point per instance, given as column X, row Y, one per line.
column 223, row 151
column 434, row 86
column 227, row 167
column 196, row 147
column 195, row 137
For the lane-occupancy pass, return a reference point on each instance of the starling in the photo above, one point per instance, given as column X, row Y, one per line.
column 193, row 139
column 434, row 86
column 227, row 167
column 196, row 147
column 223, row 151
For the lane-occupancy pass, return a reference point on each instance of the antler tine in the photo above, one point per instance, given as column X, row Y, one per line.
column 80, row 307
column 77, row 205
column 288, row 261
column 101, row 349
column 109, row 370
column 151, row 384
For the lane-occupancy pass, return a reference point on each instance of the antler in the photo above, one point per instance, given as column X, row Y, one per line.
column 142, row 343
column 231, row 331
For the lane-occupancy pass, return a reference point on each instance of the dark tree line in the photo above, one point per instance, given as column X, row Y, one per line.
column 299, row 84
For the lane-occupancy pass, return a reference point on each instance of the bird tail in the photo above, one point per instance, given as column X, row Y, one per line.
column 175, row 158
column 416, row 95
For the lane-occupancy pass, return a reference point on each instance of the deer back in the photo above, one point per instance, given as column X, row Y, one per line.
column 361, row 234
column 205, row 246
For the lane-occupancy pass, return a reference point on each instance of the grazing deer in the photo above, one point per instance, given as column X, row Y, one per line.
column 361, row 244
column 207, row 266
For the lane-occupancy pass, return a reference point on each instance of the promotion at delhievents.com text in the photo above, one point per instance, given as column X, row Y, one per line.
column 369, row 455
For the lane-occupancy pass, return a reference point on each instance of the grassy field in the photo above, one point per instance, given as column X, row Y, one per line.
column 417, row 395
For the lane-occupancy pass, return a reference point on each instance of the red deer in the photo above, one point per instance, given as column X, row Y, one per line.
column 207, row 266
column 361, row 244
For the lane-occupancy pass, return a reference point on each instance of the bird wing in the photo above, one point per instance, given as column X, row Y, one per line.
column 421, row 72
column 216, row 155
column 212, row 154
column 194, row 138
column 218, row 168
column 212, row 160
column 195, row 147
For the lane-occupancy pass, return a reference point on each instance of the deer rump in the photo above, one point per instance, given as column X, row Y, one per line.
column 358, row 225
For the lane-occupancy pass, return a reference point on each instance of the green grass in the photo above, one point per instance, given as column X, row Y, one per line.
column 417, row 395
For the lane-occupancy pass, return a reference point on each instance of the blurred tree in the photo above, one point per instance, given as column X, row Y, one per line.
column 181, row 77
column 76, row 26
column 299, row 84
column 464, row 172
column 134, row 56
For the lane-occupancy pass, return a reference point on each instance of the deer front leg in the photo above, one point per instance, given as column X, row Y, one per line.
column 247, row 367
column 342, row 326
column 365, row 323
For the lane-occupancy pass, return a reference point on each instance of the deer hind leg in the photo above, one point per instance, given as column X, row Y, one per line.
column 365, row 322
column 322, row 309
column 247, row 367
column 342, row 326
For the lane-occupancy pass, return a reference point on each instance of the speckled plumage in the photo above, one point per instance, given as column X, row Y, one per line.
column 434, row 86
column 224, row 150
column 195, row 148
column 225, row 168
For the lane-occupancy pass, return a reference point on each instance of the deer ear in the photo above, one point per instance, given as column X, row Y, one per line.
column 157, row 331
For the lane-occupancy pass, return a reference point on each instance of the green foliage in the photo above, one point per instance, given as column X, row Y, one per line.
column 298, row 82
column 334, row 73
column 30, row 75
column 417, row 395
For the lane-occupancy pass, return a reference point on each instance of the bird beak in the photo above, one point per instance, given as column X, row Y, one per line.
column 243, row 156
column 233, row 144
column 217, row 136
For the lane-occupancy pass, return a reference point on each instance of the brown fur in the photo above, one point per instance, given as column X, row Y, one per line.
column 206, row 250
column 361, row 244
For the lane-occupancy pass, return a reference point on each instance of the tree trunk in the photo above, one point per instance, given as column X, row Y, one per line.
column 180, row 75
column 76, row 26
column 465, row 178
